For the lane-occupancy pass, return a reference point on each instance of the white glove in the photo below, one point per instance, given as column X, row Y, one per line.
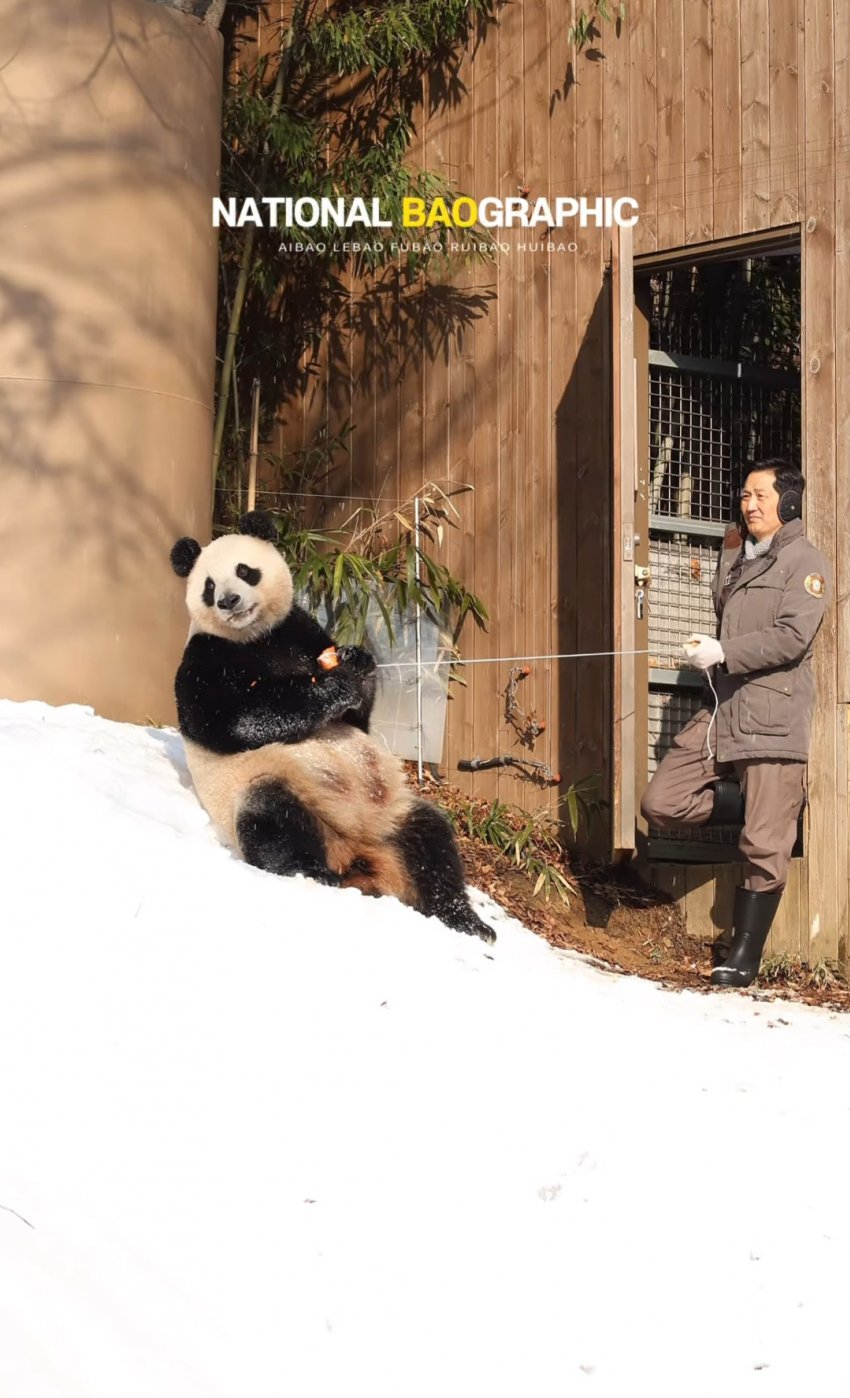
column 703, row 651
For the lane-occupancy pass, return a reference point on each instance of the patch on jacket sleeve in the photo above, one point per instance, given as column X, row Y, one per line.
column 815, row 585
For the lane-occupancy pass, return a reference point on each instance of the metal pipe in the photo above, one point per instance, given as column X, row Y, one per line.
column 418, row 646
column 255, row 445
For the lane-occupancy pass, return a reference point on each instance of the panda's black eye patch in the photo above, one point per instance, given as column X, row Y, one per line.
column 249, row 575
column 209, row 592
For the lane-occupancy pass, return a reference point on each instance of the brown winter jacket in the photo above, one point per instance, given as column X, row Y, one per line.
column 768, row 615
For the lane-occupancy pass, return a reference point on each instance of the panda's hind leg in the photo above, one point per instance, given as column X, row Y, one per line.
column 430, row 854
column 277, row 833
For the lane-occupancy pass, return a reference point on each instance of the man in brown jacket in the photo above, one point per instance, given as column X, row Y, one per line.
column 770, row 594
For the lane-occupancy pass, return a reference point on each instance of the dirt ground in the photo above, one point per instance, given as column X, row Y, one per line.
column 627, row 927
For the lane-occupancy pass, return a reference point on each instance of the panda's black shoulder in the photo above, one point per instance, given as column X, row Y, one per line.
column 300, row 631
column 209, row 668
column 206, row 687
column 207, row 652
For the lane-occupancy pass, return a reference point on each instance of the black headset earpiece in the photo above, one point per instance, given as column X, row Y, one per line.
column 790, row 506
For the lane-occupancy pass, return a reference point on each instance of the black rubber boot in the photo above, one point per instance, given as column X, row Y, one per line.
column 728, row 808
column 754, row 914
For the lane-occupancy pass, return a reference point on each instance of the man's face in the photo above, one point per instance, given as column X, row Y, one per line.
column 760, row 504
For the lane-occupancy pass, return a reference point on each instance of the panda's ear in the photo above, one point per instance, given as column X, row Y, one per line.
column 184, row 555
column 260, row 525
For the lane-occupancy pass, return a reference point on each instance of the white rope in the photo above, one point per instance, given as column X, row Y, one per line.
column 713, row 716
column 689, row 648
column 505, row 659
column 568, row 655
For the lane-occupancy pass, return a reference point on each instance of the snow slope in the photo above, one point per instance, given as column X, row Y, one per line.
column 263, row 1138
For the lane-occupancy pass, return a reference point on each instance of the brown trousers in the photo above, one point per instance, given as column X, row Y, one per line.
column 681, row 794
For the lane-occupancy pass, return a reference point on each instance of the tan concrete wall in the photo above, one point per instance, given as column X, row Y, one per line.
column 109, row 141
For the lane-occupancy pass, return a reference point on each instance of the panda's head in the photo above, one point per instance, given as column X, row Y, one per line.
column 239, row 586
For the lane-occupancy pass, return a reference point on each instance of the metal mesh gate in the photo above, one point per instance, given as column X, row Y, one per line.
column 669, row 710
column 724, row 392
column 682, row 569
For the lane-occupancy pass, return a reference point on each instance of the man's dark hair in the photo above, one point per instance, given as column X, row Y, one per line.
column 786, row 476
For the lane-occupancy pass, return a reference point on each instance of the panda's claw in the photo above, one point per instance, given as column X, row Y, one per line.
column 361, row 661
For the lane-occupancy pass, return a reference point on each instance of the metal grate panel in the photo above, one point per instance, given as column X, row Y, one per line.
column 670, row 710
column 680, row 599
column 704, row 432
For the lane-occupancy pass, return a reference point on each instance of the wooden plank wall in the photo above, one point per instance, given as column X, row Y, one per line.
column 724, row 117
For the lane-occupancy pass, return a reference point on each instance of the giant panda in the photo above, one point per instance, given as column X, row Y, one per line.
column 278, row 745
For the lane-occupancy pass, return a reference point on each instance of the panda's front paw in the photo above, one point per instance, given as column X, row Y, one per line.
column 323, row 875
column 481, row 929
column 355, row 658
column 463, row 918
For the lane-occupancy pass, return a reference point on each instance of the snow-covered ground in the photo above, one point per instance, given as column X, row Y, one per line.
column 264, row 1139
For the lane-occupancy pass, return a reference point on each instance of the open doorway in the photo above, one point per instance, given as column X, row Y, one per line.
column 717, row 355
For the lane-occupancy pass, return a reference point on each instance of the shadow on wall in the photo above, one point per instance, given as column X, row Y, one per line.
column 583, row 437
column 108, row 160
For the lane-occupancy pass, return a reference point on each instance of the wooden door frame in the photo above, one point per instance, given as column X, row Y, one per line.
column 624, row 454
column 642, row 313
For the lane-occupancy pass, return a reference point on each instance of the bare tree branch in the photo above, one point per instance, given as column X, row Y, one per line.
column 210, row 11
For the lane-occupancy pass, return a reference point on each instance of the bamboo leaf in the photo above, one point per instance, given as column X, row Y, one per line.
column 337, row 576
column 382, row 607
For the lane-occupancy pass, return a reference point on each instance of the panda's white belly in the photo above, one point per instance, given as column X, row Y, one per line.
column 353, row 786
